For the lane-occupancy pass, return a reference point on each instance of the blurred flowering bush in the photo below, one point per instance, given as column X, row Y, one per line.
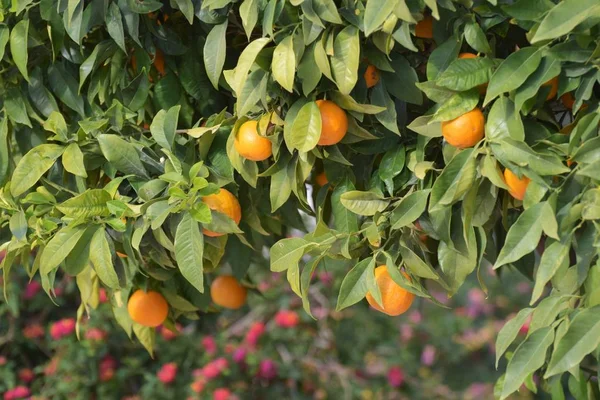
column 271, row 349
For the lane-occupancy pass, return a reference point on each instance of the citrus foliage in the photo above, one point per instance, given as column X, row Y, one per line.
column 121, row 118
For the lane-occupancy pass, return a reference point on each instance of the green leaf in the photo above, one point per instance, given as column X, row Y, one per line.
column 164, row 125
column 327, row 10
column 553, row 257
column 322, row 60
column 416, row 265
column 78, row 259
column 59, row 247
column 33, row 166
column 392, row 163
column 376, row 12
column 523, row 236
column 249, row 15
column 347, row 102
column 509, row 332
column 136, row 92
column 72, row 160
column 363, row 203
column 528, row 358
column 215, row 49
column 146, row 335
column 528, row 10
column 66, row 88
column 101, row 259
column 281, row 185
column 344, row 220
column 18, row 225
column 523, row 155
column 424, row 125
column 114, row 25
column 4, row 37
column 475, row 37
column 18, row 46
column 122, row 155
column 306, row 128
column 288, row 252
column 513, row 72
column 459, row 104
column 5, row 160
column 56, row 123
column 284, row 63
column 454, row 181
column 253, row 91
column 245, row 63
column 442, row 56
column 581, row 339
column 14, row 104
column 388, row 117
column 406, row 88
column 457, row 265
column 344, row 62
column 409, row 209
column 91, row 203
column 355, row 284
column 504, row 121
column 464, row 74
column 187, row 9
column 189, row 249
column 564, row 17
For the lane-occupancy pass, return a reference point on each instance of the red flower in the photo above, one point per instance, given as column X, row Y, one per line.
column 62, row 328
column 33, row 331
column 106, row 374
column 108, row 362
column 26, row 375
column 167, row 373
column 239, row 355
column 209, row 344
column 20, row 392
column 267, row 369
column 221, row 394
column 197, row 386
column 254, row 333
column 287, row 318
column 52, row 366
column 2, row 360
column 31, row 290
column 102, row 297
column 95, row 334
column 395, row 377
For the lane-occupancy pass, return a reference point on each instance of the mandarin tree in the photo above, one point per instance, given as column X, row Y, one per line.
column 187, row 135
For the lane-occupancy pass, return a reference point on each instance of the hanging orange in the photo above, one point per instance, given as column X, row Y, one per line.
column 395, row 299
column 371, row 76
column 553, row 83
column 148, row 308
column 516, row 186
column 466, row 130
column 227, row 292
column 250, row 144
column 334, row 123
column 424, row 28
column 226, row 203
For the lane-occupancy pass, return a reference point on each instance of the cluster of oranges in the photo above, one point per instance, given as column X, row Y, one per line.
column 151, row 308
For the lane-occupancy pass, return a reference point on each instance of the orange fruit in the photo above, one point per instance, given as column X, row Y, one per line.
column 148, row 308
column 321, row 179
column 395, row 299
column 422, row 236
column 227, row 292
column 516, row 186
column 466, row 130
column 250, row 144
column 570, row 162
column 133, row 62
column 223, row 202
column 424, row 28
column 467, row 55
column 553, row 83
column 371, row 76
column 568, row 100
column 159, row 62
column 334, row 123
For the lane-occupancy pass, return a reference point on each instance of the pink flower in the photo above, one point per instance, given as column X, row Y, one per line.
column 287, row 318
column 107, row 368
column 210, row 371
column 197, row 386
column 239, row 355
column 524, row 287
column 254, row 333
column 415, row 317
column 2, row 358
column 168, row 334
column 267, row 369
column 95, row 334
column 406, row 333
column 62, row 328
column 33, row 331
column 326, row 278
column 52, row 366
column 31, row 290
column 167, row 373
column 19, row 392
column 221, row 394
column 26, row 375
column 197, row 373
column 209, row 344
column 102, row 297
column 428, row 355
column 221, row 363
column 395, row 377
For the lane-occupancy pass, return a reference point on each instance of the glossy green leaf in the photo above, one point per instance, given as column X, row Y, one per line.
column 287, row 252
column 509, row 332
column 215, row 49
column 355, row 284
column 344, row 63
column 306, row 128
column 72, row 160
column 564, row 17
column 33, row 166
column 59, row 247
column 363, row 203
column 189, row 249
column 284, row 63
column 91, row 203
column 409, row 209
column 18, row 46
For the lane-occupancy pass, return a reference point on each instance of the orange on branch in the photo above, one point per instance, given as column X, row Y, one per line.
column 516, row 186
column 466, row 130
column 553, row 83
column 321, row 179
column 148, row 308
column 227, row 292
column 371, row 76
column 395, row 299
column 334, row 123
column 424, row 28
column 568, row 100
column 250, row 144
column 159, row 62
column 226, row 203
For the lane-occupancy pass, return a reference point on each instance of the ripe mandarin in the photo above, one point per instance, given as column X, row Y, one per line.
column 553, row 83
column 148, row 308
column 424, row 28
column 371, row 76
column 250, row 144
column 227, row 292
column 395, row 299
column 516, row 186
column 466, row 130
column 334, row 123
column 226, row 203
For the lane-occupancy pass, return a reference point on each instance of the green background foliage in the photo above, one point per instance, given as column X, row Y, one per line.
column 118, row 117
